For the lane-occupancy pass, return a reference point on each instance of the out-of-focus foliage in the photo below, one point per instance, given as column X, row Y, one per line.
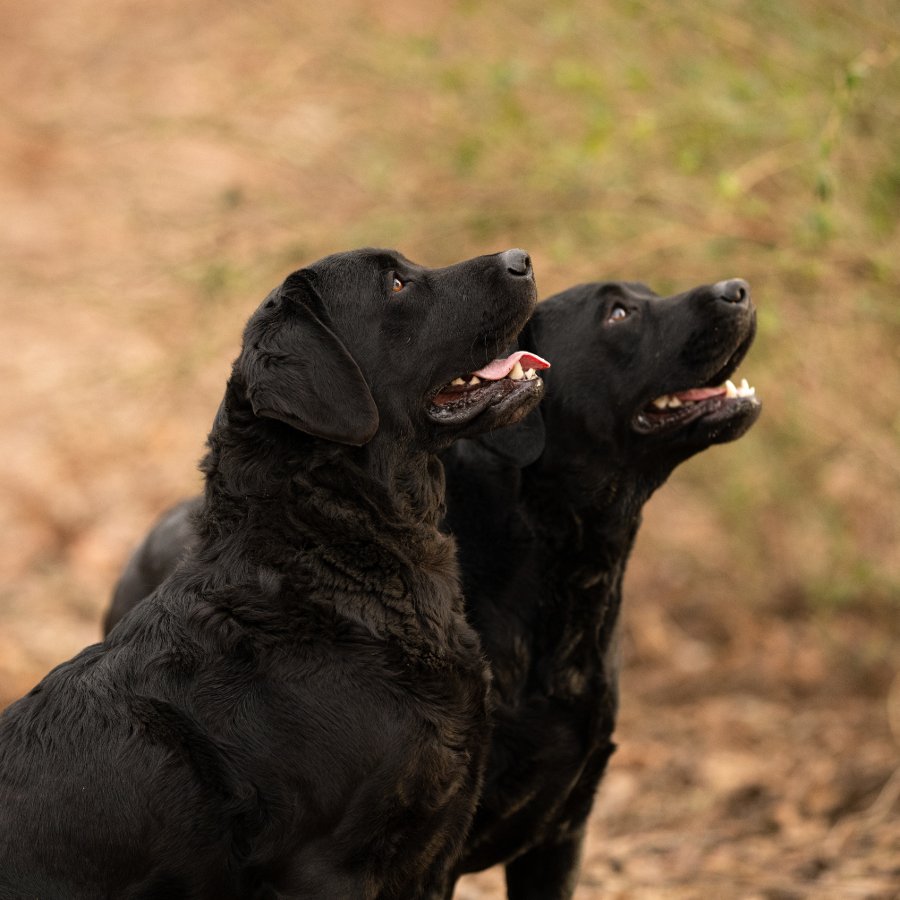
column 163, row 165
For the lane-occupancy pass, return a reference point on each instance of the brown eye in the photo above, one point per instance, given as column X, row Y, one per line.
column 618, row 313
column 398, row 285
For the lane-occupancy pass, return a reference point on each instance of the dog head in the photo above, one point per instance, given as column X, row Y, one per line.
column 643, row 381
column 367, row 343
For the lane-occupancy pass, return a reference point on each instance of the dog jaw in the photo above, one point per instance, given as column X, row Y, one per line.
column 498, row 388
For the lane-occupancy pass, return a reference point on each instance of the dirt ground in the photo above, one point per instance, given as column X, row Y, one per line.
column 161, row 169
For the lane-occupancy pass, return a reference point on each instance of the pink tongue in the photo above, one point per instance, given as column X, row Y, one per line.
column 695, row 394
column 500, row 368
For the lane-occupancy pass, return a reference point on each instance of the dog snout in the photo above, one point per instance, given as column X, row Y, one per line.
column 517, row 263
column 734, row 290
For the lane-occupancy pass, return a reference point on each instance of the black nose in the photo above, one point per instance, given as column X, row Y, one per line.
column 735, row 290
column 517, row 262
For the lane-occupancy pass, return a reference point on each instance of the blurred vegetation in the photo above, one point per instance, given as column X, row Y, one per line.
column 163, row 165
column 674, row 145
column 166, row 164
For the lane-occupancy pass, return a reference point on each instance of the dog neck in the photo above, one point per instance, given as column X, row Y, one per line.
column 304, row 523
column 293, row 490
column 589, row 501
column 585, row 536
column 584, row 515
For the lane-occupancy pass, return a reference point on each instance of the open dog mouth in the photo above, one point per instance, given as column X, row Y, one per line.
column 716, row 400
column 680, row 407
column 470, row 394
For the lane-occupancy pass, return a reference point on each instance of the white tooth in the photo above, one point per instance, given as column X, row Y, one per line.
column 744, row 385
column 661, row 402
column 730, row 389
column 475, row 380
column 517, row 373
column 458, row 382
column 530, row 374
column 674, row 403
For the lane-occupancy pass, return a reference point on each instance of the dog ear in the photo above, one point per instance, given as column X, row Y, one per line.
column 297, row 370
column 519, row 445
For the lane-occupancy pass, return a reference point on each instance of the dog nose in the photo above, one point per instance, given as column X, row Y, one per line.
column 735, row 290
column 517, row 262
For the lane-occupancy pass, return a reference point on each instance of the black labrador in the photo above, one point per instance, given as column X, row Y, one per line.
column 545, row 515
column 300, row 709
column 639, row 384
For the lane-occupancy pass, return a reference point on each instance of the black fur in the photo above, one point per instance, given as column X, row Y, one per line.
column 299, row 710
column 544, row 533
column 543, row 548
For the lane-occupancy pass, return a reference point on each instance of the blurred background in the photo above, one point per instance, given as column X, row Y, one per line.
column 163, row 165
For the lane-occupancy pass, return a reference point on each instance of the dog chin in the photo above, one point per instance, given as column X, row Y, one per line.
column 732, row 423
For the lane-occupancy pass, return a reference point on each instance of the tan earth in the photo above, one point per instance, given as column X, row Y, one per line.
column 163, row 165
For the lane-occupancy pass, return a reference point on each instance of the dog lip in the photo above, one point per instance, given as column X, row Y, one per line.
column 733, row 361
column 714, row 408
column 725, row 371
column 487, row 395
column 518, row 366
column 671, row 411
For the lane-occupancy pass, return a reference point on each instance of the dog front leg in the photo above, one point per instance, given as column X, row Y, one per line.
column 548, row 872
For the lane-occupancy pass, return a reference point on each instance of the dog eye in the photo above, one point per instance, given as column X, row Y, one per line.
column 618, row 313
column 398, row 285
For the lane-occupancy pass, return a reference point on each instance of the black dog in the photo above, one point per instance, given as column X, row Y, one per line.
column 544, row 538
column 299, row 710
column 543, row 544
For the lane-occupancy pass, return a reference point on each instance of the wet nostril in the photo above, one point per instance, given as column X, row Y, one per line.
column 517, row 262
column 735, row 290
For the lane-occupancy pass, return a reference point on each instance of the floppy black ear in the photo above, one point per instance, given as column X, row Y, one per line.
column 520, row 444
column 298, row 371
